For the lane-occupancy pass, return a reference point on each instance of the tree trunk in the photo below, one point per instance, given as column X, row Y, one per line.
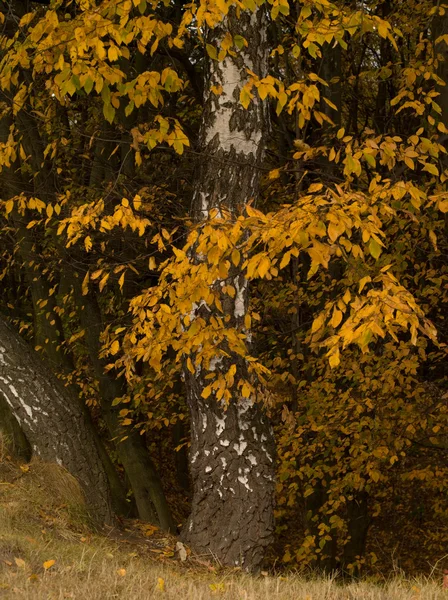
column 331, row 72
column 48, row 330
column 440, row 28
column 132, row 451
column 52, row 421
column 358, row 526
column 232, row 449
column 14, row 438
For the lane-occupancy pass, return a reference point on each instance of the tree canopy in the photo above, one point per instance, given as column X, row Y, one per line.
column 224, row 227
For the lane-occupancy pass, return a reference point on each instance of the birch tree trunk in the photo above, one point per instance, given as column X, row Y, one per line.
column 232, row 455
column 52, row 420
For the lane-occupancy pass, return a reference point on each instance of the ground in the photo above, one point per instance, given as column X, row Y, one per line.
column 48, row 551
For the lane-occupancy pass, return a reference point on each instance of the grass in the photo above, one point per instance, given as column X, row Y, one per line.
column 42, row 519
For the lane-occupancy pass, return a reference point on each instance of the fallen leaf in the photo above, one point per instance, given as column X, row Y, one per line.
column 121, row 572
column 182, row 551
column 48, row 564
column 160, row 584
column 20, row 562
column 31, row 540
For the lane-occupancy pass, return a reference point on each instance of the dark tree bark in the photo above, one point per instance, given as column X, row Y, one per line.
column 440, row 28
column 232, row 456
column 149, row 496
column 52, row 420
column 358, row 526
column 382, row 98
column 15, row 440
column 331, row 72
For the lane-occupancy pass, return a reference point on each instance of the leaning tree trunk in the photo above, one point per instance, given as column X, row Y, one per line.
column 231, row 460
column 52, row 420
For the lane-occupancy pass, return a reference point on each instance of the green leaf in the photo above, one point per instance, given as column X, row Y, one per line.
column 109, row 112
column 374, row 248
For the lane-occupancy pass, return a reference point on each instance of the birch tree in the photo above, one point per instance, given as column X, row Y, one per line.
column 52, row 420
column 232, row 459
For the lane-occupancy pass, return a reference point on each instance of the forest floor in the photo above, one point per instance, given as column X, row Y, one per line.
column 48, row 551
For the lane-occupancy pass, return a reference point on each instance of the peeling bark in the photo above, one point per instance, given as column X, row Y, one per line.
column 52, row 420
column 232, row 449
column 232, row 467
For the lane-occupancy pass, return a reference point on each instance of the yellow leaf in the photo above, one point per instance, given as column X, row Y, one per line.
column 137, row 202
column 103, row 282
column 336, row 317
column 374, row 476
column 121, row 280
column 217, row 89
column 85, row 284
column 236, row 257
column 112, row 53
column 9, row 205
column 245, row 97
column 96, row 274
column 335, row 230
column 48, row 564
column 409, row 162
column 317, row 323
column 274, row 174
column 115, row 346
column 26, row 19
column 382, row 29
column 121, row 572
column 334, row 359
column 160, row 584
column 264, row 266
column 245, row 392
column 285, row 260
column 206, row 391
column 49, row 210
column 430, row 168
column 442, row 205
column 433, row 238
column 363, row 282
column 211, row 51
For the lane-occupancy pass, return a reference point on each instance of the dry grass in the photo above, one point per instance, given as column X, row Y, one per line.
column 42, row 519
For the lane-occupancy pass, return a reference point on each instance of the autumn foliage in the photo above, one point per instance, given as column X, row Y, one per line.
column 336, row 273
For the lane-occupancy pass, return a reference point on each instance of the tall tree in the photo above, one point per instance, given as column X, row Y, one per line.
column 232, row 449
